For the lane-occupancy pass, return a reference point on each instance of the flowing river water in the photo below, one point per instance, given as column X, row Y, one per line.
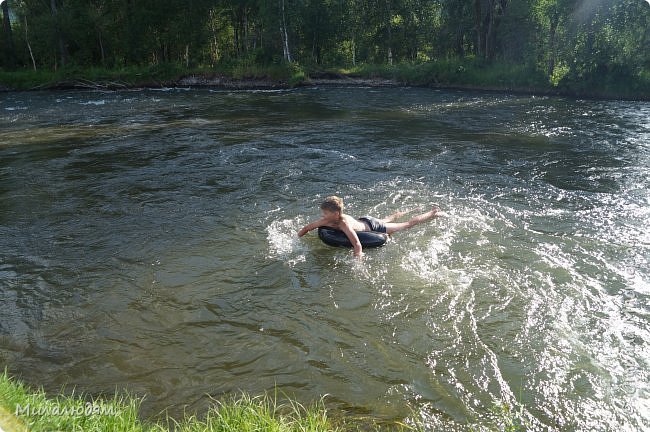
column 148, row 242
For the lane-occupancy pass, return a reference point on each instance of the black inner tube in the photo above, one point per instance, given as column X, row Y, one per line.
column 368, row 239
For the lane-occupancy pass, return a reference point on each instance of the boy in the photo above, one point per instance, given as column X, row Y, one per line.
column 332, row 216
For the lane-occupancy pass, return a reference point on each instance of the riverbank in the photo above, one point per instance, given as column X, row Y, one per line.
column 26, row 410
column 446, row 74
column 23, row 409
column 511, row 78
column 170, row 76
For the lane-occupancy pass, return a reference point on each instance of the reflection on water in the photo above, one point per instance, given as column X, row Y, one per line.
column 148, row 240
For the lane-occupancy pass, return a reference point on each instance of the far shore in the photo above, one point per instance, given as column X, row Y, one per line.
column 211, row 81
column 326, row 79
column 266, row 83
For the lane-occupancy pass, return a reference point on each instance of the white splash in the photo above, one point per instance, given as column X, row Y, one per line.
column 95, row 102
column 284, row 242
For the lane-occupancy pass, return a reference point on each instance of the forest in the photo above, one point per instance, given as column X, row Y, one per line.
column 548, row 42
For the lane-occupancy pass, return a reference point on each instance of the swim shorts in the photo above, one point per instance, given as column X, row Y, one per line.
column 374, row 224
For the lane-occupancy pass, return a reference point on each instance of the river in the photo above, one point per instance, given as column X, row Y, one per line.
column 148, row 242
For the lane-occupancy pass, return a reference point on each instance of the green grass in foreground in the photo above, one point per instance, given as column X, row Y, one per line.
column 22, row 409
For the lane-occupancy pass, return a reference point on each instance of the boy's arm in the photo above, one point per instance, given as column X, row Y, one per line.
column 304, row 230
column 354, row 239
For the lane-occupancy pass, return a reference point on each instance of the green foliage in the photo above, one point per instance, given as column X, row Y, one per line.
column 570, row 46
column 502, row 418
column 25, row 79
column 127, row 76
column 559, row 72
column 505, row 419
column 460, row 72
column 298, row 75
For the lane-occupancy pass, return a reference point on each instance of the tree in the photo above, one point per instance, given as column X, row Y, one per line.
column 487, row 18
column 10, row 50
column 283, row 32
column 563, row 39
column 61, row 43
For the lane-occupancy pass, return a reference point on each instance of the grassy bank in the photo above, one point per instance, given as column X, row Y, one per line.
column 454, row 73
column 166, row 75
column 90, row 77
column 474, row 74
column 23, row 409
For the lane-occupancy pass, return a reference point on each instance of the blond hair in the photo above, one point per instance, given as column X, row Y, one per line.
column 333, row 204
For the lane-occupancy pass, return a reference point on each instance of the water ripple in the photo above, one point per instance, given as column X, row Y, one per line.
column 148, row 241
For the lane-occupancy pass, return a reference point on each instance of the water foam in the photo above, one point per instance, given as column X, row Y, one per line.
column 284, row 243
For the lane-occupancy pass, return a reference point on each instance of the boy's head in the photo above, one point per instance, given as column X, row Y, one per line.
column 332, row 207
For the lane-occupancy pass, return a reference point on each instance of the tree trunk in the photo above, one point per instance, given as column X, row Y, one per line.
column 101, row 47
column 478, row 28
column 315, row 44
column 11, row 52
column 496, row 11
column 389, row 32
column 29, row 46
column 130, row 33
column 460, row 50
column 245, row 25
column 489, row 31
column 63, row 51
column 551, row 43
column 414, row 37
column 236, row 39
column 285, row 36
column 214, row 51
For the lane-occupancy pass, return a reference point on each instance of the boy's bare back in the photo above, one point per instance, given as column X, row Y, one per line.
column 332, row 216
